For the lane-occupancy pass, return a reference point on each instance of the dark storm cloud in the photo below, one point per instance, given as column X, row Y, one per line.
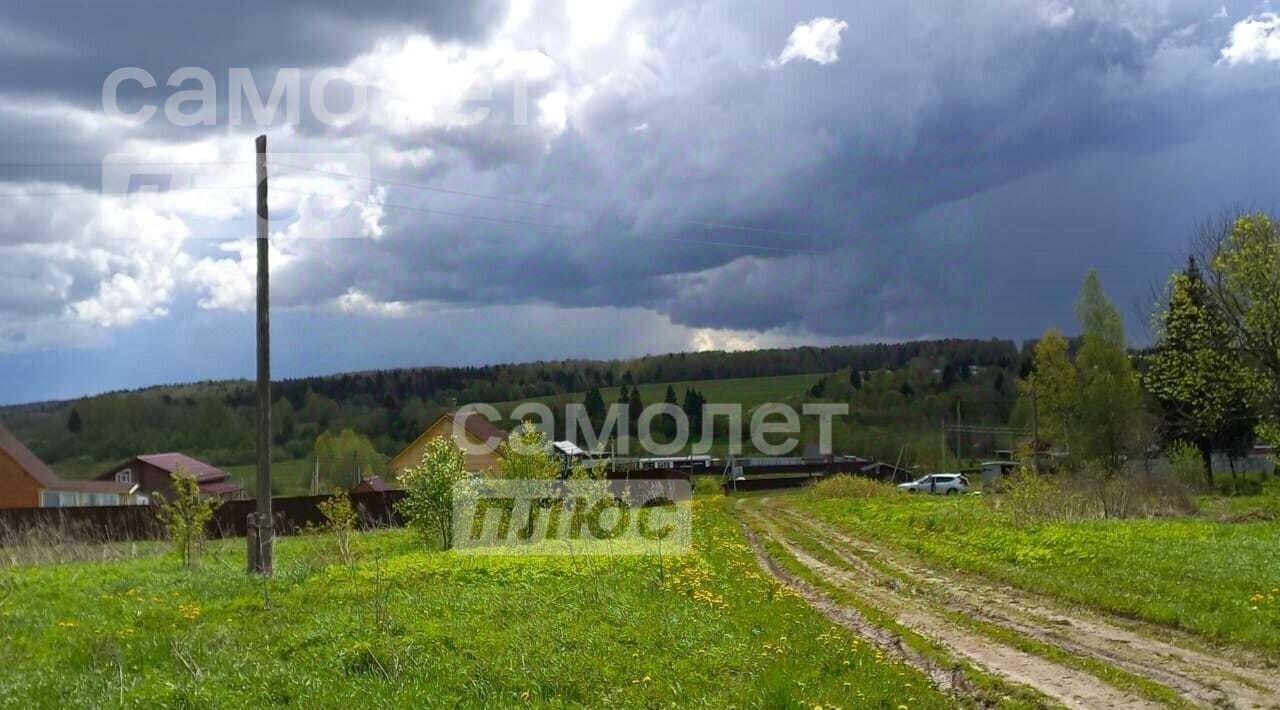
column 954, row 172
column 833, row 167
column 67, row 47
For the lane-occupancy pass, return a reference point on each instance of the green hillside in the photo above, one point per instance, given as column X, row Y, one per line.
column 910, row 389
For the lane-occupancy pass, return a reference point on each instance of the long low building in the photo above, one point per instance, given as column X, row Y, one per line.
column 28, row 482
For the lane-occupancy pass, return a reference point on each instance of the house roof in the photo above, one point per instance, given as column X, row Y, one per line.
column 474, row 423
column 173, row 461
column 479, row 426
column 46, row 477
column 373, row 484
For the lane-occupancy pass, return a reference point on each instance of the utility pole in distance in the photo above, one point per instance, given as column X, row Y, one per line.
column 261, row 539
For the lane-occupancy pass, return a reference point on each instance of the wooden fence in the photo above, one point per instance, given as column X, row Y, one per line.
column 139, row 522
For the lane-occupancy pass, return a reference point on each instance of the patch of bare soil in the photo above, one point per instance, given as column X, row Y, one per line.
column 1235, row 679
column 1063, row 684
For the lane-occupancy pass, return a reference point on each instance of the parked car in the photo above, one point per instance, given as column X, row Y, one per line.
column 939, row 483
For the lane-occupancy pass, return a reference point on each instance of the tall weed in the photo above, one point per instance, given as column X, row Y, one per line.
column 846, row 486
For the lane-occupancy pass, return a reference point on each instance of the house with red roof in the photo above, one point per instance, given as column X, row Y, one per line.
column 153, row 473
column 28, row 482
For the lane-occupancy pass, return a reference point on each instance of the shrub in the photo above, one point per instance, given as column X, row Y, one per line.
column 706, row 485
column 186, row 516
column 429, row 490
column 340, row 520
column 847, row 486
column 525, row 455
column 1028, row 497
column 1238, row 485
column 1186, row 465
column 1090, row 493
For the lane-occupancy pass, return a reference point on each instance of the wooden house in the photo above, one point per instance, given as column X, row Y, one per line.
column 153, row 474
column 481, row 435
column 28, row 482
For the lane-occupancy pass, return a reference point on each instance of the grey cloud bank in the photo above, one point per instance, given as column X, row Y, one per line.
column 886, row 170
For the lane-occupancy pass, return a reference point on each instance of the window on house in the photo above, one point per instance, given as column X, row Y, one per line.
column 124, row 476
column 49, row 499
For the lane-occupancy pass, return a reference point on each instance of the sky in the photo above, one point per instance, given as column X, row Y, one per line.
column 464, row 183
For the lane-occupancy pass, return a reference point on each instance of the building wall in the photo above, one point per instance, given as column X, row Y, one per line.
column 17, row 489
column 150, row 480
column 412, row 454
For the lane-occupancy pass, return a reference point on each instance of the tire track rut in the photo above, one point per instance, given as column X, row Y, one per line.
column 1199, row 676
column 1060, row 683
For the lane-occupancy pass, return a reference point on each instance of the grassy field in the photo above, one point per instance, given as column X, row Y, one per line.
column 407, row 626
column 1212, row 578
column 289, row 478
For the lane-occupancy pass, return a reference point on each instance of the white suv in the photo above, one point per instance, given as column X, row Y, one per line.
column 940, row 483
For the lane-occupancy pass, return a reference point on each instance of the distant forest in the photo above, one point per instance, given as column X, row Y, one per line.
column 390, row 407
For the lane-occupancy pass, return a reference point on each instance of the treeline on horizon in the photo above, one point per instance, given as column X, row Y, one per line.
column 391, row 407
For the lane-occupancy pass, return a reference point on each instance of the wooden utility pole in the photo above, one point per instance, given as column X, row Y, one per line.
column 260, row 538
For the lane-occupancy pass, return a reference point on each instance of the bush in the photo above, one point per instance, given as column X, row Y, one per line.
column 186, row 516
column 429, row 490
column 1186, row 465
column 706, row 485
column 847, row 486
column 1091, row 493
column 1239, row 485
column 340, row 521
column 1027, row 498
column 526, row 456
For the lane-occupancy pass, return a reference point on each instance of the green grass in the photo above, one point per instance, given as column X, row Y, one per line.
column 407, row 626
column 1220, row 580
column 288, row 478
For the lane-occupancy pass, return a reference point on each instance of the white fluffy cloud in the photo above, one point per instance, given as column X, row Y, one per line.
column 1254, row 39
column 360, row 303
column 1058, row 14
column 817, row 40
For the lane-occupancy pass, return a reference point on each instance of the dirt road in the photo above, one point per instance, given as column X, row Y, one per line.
column 1075, row 658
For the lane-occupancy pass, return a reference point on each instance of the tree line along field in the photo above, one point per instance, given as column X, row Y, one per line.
column 214, row 420
column 884, row 422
